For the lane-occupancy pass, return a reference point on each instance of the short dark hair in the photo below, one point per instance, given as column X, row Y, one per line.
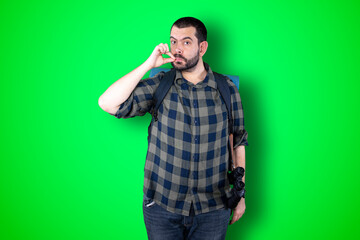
column 201, row 32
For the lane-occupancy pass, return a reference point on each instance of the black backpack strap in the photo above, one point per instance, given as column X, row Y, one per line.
column 161, row 91
column 224, row 90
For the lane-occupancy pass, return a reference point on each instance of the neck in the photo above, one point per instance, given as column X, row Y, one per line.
column 195, row 74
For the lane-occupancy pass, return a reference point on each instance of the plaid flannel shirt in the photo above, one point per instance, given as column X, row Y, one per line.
column 188, row 152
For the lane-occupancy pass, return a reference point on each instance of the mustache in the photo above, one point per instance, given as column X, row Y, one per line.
column 179, row 56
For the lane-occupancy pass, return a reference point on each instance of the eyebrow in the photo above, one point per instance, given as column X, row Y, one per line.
column 183, row 38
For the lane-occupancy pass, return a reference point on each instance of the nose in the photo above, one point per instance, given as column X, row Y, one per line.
column 178, row 50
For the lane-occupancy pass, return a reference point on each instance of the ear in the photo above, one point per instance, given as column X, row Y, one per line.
column 203, row 47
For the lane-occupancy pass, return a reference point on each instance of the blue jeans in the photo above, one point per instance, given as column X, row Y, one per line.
column 164, row 225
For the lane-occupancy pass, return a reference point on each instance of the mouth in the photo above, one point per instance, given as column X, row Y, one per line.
column 179, row 60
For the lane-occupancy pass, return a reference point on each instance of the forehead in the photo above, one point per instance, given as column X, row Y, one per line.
column 180, row 33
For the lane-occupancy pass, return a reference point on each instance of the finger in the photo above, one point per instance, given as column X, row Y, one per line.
column 167, row 47
column 159, row 50
column 233, row 220
column 163, row 48
column 236, row 217
column 167, row 60
column 230, row 222
column 170, row 54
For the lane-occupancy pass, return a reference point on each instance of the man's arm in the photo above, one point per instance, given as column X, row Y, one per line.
column 239, row 153
column 120, row 90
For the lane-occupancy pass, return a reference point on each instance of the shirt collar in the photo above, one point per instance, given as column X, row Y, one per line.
column 208, row 81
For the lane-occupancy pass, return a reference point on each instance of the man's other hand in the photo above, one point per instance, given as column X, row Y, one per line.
column 238, row 211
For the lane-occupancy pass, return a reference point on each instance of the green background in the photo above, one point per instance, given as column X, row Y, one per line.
column 69, row 170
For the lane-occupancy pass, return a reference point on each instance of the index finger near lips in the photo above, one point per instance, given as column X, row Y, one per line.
column 168, row 51
column 170, row 54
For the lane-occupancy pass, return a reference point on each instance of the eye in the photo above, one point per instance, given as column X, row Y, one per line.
column 187, row 43
column 172, row 42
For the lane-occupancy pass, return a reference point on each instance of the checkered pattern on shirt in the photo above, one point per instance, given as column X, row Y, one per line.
column 187, row 157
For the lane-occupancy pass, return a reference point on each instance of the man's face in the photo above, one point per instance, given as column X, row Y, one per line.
column 184, row 46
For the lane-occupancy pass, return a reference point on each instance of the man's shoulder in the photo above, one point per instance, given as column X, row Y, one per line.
column 231, row 84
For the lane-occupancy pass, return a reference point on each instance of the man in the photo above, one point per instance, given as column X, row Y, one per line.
column 185, row 183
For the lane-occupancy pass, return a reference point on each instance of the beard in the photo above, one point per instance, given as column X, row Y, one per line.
column 189, row 63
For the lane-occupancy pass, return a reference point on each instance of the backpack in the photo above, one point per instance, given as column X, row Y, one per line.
column 223, row 87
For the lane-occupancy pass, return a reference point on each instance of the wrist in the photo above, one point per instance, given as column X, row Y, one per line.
column 147, row 65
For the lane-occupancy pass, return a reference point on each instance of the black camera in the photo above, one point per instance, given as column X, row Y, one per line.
column 238, row 190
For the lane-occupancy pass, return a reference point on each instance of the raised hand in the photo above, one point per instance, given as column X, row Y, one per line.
column 156, row 59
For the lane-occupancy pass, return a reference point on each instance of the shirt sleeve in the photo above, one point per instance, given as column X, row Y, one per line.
column 140, row 100
column 240, row 134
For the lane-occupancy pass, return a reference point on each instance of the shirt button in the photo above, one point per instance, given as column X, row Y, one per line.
column 195, row 121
